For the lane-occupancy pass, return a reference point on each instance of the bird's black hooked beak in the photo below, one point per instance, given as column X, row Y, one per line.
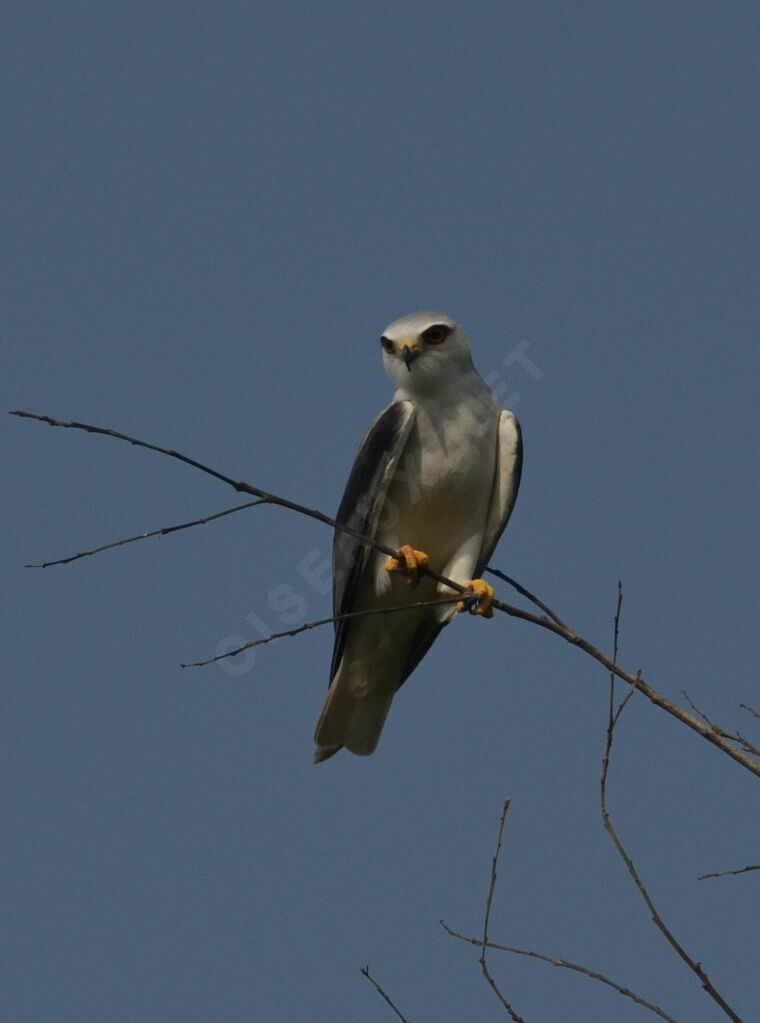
column 409, row 354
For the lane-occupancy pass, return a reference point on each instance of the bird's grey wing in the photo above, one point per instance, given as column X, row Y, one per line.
column 361, row 506
column 506, row 483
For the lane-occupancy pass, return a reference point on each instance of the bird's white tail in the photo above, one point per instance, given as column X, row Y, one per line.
column 350, row 718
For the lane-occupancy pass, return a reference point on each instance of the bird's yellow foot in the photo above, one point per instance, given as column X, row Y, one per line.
column 483, row 592
column 410, row 566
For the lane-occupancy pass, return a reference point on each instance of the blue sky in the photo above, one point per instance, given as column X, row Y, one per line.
column 211, row 213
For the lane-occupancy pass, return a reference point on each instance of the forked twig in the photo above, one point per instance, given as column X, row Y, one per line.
column 567, row 965
column 487, row 917
column 240, row 485
column 746, row 745
column 485, row 942
column 528, row 595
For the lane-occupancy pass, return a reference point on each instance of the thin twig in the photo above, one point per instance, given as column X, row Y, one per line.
column 487, row 917
column 750, row 710
column 371, row 979
column 694, row 966
column 566, row 964
column 613, row 714
column 164, row 531
column 528, row 595
column 315, row 625
column 547, row 621
column 729, row 873
column 746, row 745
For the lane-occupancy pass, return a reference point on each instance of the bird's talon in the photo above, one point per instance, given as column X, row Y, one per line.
column 411, row 565
column 478, row 601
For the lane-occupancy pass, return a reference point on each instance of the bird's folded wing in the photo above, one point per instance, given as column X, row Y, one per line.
column 361, row 506
column 505, row 485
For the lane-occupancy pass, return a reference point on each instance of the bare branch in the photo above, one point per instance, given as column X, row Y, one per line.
column 729, row 873
column 371, row 979
column 750, row 710
column 694, row 966
column 548, row 620
column 487, row 917
column 528, row 595
column 316, row 625
column 165, row 531
column 484, row 942
column 746, row 745
column 567, row 965
column 240, row 485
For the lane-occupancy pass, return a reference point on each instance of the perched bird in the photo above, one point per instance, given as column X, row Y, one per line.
column 435, row 479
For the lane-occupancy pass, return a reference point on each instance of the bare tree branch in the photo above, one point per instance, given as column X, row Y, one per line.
column 567, row 965
column 746, row 745
column 750, row 710
column 164, row 531
column 614, row 717
column 316, row 625
column 240, row 485
column 371, row 979
column 548, row 620
column 729, row 873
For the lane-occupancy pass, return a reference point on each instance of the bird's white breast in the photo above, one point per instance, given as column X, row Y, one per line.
column 440, row 493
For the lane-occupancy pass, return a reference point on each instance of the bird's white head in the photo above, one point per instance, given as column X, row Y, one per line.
column 424, row 351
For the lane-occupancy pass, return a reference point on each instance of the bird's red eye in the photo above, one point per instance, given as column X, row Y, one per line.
column 436, row 334
column 387, row 344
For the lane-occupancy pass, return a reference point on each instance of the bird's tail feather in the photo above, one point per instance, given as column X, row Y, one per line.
column 325, row 752
column 351, row 720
